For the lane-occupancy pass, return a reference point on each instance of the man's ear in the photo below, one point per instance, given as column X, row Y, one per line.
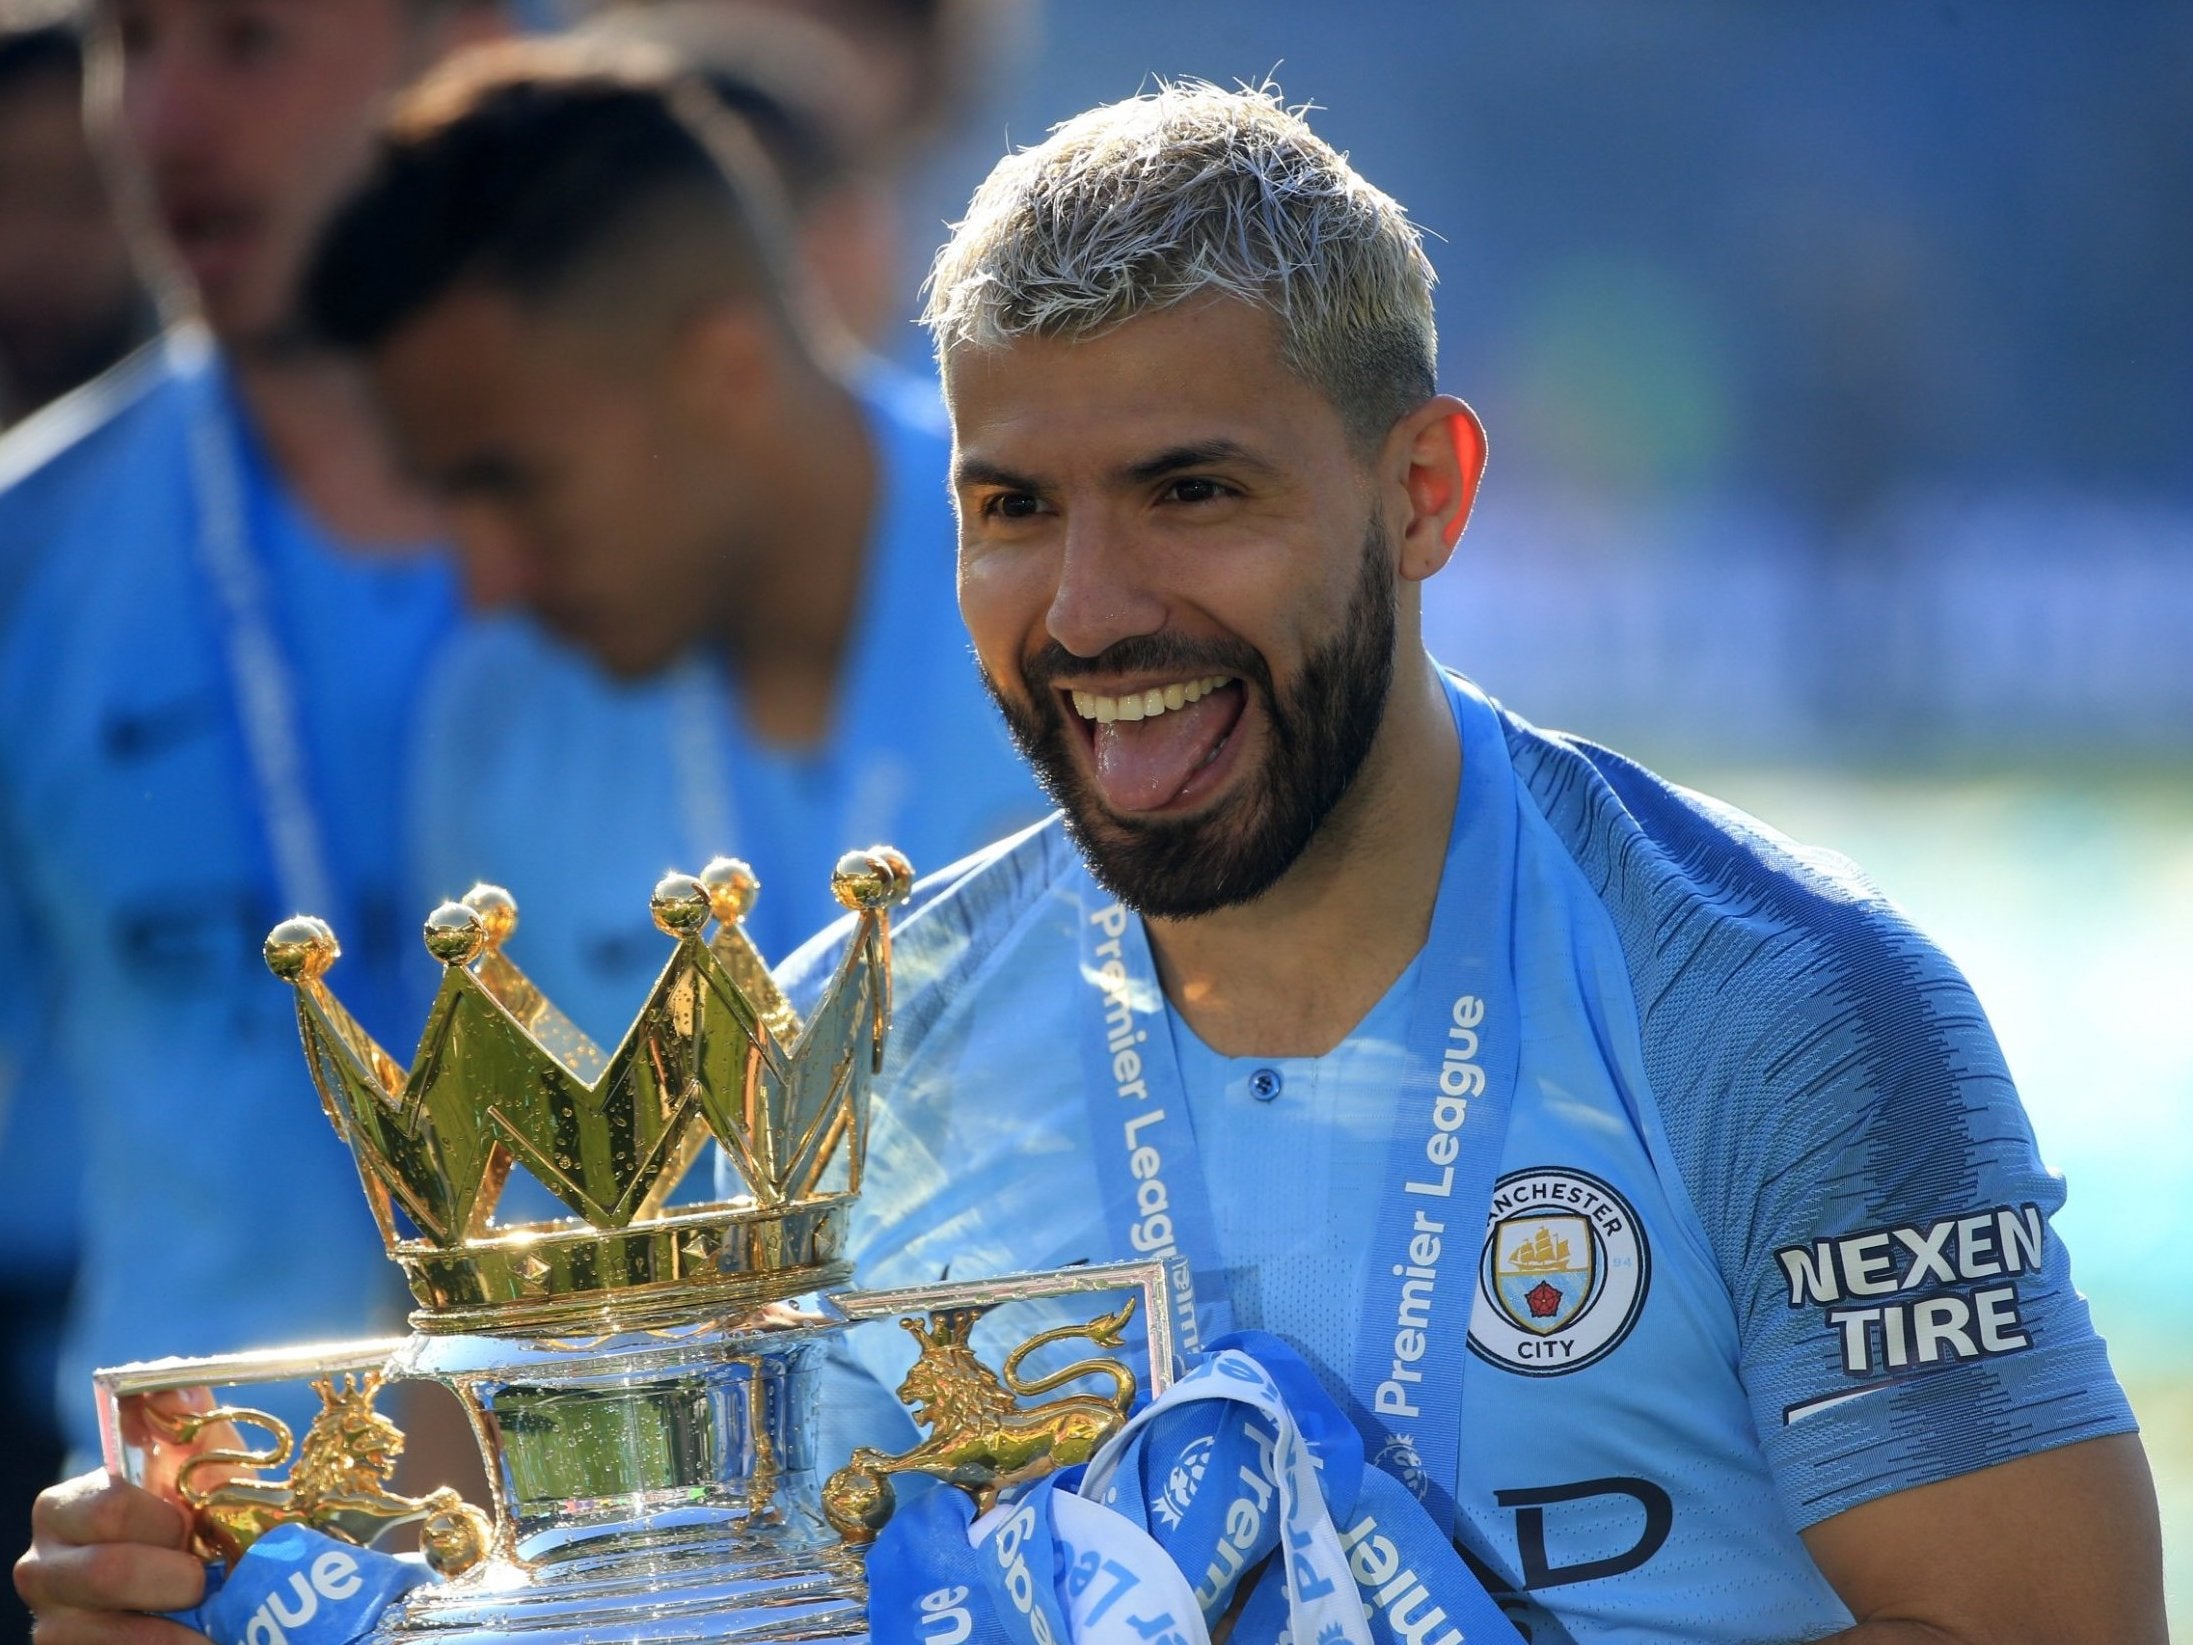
column 1439, row 452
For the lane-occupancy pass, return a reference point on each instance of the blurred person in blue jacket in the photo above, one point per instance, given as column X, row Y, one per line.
column 568, row 276
column 213, row 606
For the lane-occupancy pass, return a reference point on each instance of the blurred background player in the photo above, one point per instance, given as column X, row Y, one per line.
column 568, row 276
column 70, row 303
column 213, row 610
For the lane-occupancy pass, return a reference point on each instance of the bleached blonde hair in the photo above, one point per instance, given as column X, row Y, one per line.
column 1189, row 190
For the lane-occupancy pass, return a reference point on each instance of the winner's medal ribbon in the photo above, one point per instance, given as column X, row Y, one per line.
column 1243, row 1458
column 297, row 1586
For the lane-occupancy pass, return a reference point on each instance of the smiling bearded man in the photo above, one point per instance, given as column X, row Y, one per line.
column 1648, row 1192
column 1564, row 1121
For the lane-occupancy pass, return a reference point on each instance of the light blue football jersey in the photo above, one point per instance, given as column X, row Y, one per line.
column 577, row 792
column 1770, row 1236
column 139, row 879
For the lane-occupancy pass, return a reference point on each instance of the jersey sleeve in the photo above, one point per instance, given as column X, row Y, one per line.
column 1904, row 1304
column 1850, row 1138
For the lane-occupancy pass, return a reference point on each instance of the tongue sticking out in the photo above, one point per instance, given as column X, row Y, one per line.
column 1142, row 765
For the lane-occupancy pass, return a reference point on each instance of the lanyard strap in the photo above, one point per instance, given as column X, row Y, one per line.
column 1156, row 1198
column 1449, row 1122
column 1449, row 1126
column 700, row 711
column 261, row 682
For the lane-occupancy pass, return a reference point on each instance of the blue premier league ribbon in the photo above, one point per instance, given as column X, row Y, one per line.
column 1156, row 1200
column 295, row 1586
column 1448, row 1126
column 1244, row 1458
column 1044, row 1569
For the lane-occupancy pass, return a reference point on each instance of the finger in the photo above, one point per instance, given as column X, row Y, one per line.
column 166, row 1456
column 108, row 1576
column 142, row 1413
column 97, row 1508
column 110, row 1628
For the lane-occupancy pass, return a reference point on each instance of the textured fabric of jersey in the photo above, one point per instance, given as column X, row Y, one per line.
column 1770, row 1237
column 576, row 792
column 220, row 1211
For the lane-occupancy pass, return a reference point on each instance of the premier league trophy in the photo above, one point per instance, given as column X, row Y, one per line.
column 642, row 1375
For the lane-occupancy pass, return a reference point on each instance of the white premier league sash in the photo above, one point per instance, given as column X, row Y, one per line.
column 1449, row 1120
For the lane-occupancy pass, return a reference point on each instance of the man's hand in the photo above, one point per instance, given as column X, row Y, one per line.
column 102, row 1553
column 2058, row 1548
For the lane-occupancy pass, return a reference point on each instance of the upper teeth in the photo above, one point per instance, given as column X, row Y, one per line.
column 1145, row 705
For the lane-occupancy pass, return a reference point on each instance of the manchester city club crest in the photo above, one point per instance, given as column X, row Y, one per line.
column 1545, row 1269
column 1563, row 1274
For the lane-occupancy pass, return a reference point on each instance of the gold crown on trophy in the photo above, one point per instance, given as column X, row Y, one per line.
column 503, row 1078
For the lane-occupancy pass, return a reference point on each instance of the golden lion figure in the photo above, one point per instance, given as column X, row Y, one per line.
column 981, row 1437
column 339, row 1484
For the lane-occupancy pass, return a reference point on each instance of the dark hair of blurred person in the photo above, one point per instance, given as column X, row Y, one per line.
column 70, row 304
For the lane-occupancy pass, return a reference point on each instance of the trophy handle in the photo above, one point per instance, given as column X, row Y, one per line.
column 338, row 1480
column 981, row 1437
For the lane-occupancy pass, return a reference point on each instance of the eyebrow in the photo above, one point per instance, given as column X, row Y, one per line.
column 971, row 471
column 1203, row 454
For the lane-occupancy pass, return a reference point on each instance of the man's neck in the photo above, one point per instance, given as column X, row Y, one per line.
column 1292, row 973
column 786, row 633
column 311, row 413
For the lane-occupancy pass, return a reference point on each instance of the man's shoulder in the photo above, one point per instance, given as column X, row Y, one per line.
column 72, row 442
column 913, row 452
column 79, row 465
column 1651, row 849
column 1772, row 971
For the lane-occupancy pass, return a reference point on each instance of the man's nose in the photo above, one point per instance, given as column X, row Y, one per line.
column 1106, row 589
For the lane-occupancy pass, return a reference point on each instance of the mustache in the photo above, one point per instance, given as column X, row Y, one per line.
column 1054, row 665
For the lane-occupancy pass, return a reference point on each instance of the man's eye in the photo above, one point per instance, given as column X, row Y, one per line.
column 1196, row 491
column 1011, row 505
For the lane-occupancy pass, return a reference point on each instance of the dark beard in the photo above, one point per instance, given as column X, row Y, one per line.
column 1177, row 868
